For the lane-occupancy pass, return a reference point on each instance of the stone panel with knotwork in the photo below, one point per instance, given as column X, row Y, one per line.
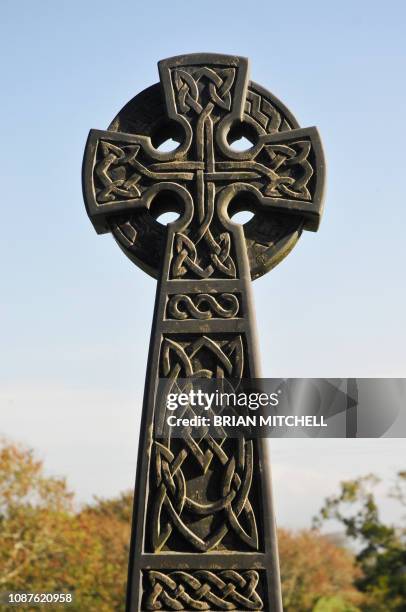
column 203, row 306
column 219, row 514
column 203, row 590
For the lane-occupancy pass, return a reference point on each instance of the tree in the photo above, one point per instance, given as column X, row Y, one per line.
column 34, row 511
column 314, row 572
column 381, row 548
column 48, row 546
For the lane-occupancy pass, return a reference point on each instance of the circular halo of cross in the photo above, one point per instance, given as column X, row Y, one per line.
column 129, row 182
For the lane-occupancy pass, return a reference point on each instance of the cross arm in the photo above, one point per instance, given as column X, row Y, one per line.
column 118, row 170
column 108, row 188
column 287, row 174
column 297, row 158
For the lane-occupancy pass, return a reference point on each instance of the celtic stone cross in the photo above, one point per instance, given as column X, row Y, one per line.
column 203, row 534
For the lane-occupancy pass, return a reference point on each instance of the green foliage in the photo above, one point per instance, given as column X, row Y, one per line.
column 334, row 604
column 382, row 548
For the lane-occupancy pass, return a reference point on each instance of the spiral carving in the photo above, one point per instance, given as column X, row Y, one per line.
column 203, row 306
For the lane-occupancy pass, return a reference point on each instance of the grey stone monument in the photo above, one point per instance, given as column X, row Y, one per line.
column 203, row 533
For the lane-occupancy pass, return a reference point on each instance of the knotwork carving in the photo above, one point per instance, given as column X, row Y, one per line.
column 203, row 523
column 196, row 87
column 223, row 305
column 287, row 172
column 187, row 260
column 265, row 113
column 290, row 169
column 203, row 590
column 115, row 173
column 122, row 165
column 175, row 509
column 203, row 358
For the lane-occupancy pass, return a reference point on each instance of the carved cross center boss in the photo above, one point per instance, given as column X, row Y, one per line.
column 197, row 501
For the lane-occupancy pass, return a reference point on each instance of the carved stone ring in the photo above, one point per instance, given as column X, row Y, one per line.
column 129, row 181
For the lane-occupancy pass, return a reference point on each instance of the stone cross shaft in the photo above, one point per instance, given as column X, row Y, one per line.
column 203, row 535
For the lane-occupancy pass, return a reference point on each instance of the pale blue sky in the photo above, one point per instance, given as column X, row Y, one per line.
column 75, row 314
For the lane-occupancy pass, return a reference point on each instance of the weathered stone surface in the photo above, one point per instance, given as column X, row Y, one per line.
column 203, row 533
